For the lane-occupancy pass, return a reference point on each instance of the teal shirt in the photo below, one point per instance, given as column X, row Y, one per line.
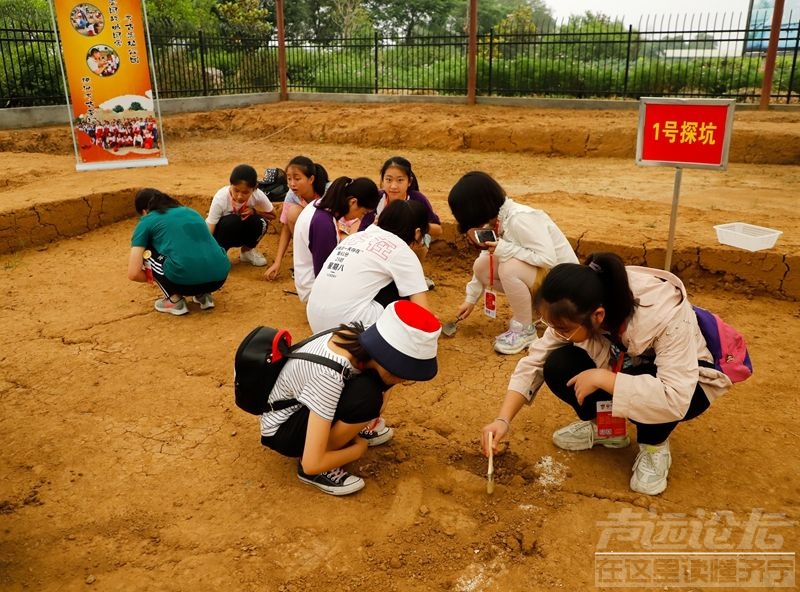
column 191, row 254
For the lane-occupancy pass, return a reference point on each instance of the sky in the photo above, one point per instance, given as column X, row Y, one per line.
column 633, row 9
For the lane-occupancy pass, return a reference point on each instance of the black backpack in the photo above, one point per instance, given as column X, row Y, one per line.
column 258, row 362
column 274, row 184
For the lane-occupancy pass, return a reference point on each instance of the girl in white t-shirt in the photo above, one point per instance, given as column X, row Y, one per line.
column 307, row 182
column 320, row 227
column 370, row 269
column 239, row 215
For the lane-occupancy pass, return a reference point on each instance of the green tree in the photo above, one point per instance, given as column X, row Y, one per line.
column 672, row 42
column 310, row 19
column 350, row 18
column 244, row 18
column 594, row 36
column 515, row 33
column 409, row 17
column 165, row 17
column 702, row 41
column 27, row 10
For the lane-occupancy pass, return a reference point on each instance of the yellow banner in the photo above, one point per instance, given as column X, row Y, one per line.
column 115, row 117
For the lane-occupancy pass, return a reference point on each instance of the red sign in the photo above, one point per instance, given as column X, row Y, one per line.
column 684, row 133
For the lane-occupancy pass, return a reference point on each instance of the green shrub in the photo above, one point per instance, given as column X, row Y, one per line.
column 30, row 74
column 345, row 71
column 787, row 75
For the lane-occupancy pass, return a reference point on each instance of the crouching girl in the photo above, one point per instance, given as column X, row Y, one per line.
column 624, row 335
column 322, row 428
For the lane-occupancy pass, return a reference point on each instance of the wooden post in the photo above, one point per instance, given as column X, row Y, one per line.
column 283, row 95
column 772, row 51
column 472, row 52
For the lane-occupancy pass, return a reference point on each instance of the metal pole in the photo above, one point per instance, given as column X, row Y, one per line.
column 472, row 52
column 202, row 44
column 772, row 52
column 673, row 217
column 627, row 62
column 377, row 72
column 284, row 94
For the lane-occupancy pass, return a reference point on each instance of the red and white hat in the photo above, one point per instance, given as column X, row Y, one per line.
column 404, row 341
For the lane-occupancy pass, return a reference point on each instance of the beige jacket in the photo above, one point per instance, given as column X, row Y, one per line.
column 663, row 328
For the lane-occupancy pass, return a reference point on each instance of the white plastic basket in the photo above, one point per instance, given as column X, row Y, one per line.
column 747, row 236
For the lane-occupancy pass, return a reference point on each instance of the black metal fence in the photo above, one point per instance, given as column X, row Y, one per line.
column 667, row 56
column 29, row 68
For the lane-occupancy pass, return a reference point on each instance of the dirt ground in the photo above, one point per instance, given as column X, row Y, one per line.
column 127, row 466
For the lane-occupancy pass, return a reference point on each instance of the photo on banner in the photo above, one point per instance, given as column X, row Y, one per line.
column 114, row 114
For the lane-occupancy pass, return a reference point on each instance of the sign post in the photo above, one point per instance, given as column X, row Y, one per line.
column 683, row 133
column 114, row 112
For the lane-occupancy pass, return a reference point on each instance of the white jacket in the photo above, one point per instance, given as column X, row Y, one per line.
column 664, row 329
column 529, row 235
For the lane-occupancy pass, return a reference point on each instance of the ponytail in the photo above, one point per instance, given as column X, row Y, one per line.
column 337, row 198
column 311, row 169
column 320, row 179
column 618, row 300
column 573, row 292
column 153, row 200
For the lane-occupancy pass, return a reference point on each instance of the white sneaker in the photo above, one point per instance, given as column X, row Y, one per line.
column 582, row 435
column 205, row 301
column 253, row 257
column 651, row 469
column 377, row 433
column 517, row 338
column 174, row 308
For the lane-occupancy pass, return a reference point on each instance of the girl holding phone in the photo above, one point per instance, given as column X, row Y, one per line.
column 526, row 243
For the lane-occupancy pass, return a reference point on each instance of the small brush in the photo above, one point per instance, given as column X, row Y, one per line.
column 490, row 472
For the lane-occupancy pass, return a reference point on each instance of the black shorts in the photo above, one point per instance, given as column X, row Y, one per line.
column 360, row 402
column 168, row 287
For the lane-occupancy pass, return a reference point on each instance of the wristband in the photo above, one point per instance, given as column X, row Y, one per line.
column 505, row 421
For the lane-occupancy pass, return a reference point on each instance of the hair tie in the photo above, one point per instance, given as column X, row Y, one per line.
column 595, row 267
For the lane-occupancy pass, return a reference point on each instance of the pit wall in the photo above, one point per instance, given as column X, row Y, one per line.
column 27, row 117
column 772, row 271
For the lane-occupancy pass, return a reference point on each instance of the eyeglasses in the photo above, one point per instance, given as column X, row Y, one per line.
column 559, row 334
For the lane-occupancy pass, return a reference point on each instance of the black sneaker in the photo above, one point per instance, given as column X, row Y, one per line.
column 335, row 482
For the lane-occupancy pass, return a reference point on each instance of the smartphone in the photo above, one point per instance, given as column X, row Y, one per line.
column 483, row 235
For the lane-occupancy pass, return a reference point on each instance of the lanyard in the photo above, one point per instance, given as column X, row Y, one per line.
column 491, row 256
column 618, row 364
column 233, row 204
column 621, row 353
column 491, row 271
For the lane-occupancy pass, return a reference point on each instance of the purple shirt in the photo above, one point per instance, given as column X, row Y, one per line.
column 367, row 220
column 323, row 237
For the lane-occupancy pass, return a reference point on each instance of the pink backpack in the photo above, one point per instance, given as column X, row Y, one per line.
column 726, row 345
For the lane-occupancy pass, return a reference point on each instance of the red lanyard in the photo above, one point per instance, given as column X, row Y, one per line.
column 621, row 357
column 491, row 271
column 241, row 206
column 491, row 257
column 618, row 364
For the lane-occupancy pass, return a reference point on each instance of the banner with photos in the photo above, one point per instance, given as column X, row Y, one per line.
column 114, row 112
